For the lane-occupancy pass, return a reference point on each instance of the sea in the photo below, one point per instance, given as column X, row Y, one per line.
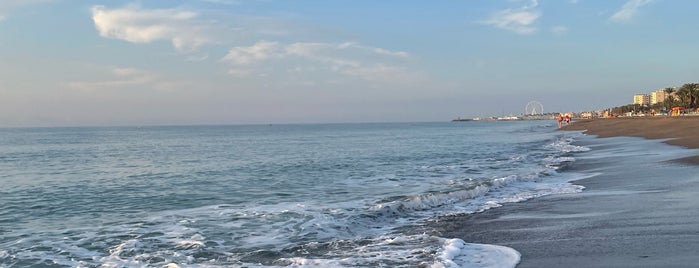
column 297, row 195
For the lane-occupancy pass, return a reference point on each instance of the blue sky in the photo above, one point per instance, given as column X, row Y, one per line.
column 75, row 63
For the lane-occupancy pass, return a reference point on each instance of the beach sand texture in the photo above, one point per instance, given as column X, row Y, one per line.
column 683, row 130
column 641, row 210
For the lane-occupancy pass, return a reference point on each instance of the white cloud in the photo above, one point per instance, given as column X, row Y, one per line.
column 382, row 51
column 324, row 52
column 261, row 51
column 138, row 25
column 123, row 78
column 201, row 57
column 559, row 30
column 629, row 10
column 343, row 54
column 222, row 2
column 349, row 59
column 519, row 20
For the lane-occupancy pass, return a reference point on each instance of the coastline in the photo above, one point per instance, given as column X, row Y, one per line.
column 678, row 128
column 679, row 131
column 637, row 211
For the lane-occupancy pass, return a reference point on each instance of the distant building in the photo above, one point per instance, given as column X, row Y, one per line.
column 642, row 99
column 657, row 96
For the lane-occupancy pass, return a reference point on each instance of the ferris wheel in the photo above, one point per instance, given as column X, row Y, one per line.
column 534, row 108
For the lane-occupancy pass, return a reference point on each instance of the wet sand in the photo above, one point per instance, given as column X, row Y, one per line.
column 642, row 210
column 681, row 130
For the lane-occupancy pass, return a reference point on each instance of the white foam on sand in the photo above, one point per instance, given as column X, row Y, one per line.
column 394, row 251
column 402, row 250
column 457, row 253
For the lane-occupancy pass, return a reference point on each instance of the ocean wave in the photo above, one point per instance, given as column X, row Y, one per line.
column 420, row 250
column 327, row 209
column 565, row 145
column 485, row 195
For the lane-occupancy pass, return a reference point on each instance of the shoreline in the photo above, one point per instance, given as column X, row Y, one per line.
column 638, row 211
column 679, row 131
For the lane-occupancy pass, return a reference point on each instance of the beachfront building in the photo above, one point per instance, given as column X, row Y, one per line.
column 642, row 99
column 658, row 96
column 587, row 115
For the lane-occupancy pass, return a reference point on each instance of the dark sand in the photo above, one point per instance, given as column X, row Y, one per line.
column 641, row 211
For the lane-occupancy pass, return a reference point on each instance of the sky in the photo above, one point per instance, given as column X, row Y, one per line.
column 175, row 62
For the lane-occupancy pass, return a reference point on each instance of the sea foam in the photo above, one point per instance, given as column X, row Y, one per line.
column 457, row 253
column 320, row 196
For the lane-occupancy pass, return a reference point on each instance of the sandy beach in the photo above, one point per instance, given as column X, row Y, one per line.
column 681, row 131
column 639, row 210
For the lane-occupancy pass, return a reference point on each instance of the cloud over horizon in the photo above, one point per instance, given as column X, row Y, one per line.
column 629, row 10
column 351, row 59
column 137, row 25
column 559, row 30
column 222, row 2
column 520, row 20
column 244, row 61
column 121, row 77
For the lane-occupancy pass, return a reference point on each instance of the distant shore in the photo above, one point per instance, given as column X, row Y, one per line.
column 682, row 130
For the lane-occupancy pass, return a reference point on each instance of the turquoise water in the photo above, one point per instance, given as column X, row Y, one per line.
column 266, row 195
